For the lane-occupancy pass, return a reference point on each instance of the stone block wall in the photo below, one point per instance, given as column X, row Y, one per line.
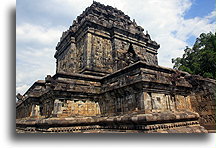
column 124, row 102
column 203, row 100
column 119, row 102
column 146, row 90
column 23, row 111
column 28, row 104
column 29, row 108
column 58, row 108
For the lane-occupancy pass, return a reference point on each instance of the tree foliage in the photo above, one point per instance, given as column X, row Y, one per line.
column 201, row 58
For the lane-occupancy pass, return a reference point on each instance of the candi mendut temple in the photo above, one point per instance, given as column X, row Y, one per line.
column 108, row 80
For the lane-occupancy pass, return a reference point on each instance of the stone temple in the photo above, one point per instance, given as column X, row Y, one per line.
column 108, row 80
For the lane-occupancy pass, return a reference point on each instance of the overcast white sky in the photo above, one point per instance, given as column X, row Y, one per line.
column 174, row 24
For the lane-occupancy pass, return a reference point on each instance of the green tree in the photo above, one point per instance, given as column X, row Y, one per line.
column 201, row 58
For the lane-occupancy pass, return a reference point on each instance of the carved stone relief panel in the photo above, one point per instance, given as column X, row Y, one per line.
column 121, row 101
column 147, row 102
column 158, row 101
column 151, row 58
column 180, row 102
column 57, row 107
column 155, row 102
column 47, row 107
column 66, row 61
column 120, row 48
column 101, row 57
column 68, row 108
column 35, row 110
column 81, row 53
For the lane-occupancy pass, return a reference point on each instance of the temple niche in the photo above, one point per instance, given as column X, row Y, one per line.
column 108, row 79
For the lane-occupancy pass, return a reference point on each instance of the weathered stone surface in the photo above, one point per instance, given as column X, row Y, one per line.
column 108, row 80
column 102, row 39
column 203, row 100
column 135, row 122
